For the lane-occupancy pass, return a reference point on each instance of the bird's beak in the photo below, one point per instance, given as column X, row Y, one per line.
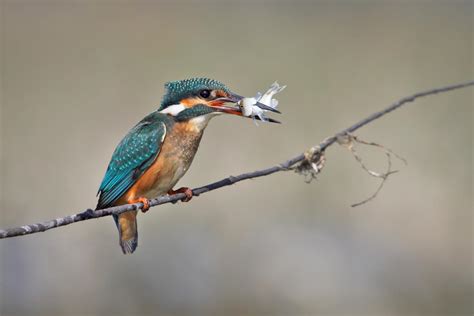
column 221, row 108
column 235, row 98
column 218, row 105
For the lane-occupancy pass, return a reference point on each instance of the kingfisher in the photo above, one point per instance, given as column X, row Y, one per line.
column 158, row 151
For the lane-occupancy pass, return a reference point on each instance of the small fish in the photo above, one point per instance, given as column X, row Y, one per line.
column 249, row 109
column 267, row 97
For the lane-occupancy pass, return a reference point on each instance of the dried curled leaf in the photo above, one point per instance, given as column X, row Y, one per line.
column 312, row 164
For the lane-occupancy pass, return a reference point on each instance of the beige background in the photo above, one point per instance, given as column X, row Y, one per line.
column 76, row 75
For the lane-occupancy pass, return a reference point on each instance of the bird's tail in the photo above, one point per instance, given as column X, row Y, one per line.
column 128, row 233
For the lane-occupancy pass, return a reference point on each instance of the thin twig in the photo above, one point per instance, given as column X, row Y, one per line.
column 384, row 176
column 286, row 165
column 349, row 141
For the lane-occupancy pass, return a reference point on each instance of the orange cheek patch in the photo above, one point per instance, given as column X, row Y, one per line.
column 190, row 102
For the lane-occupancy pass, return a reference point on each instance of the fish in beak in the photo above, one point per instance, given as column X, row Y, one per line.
column 235, row 98
column 219, row 106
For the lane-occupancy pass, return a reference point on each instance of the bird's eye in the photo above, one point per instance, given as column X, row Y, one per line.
column 205, row 93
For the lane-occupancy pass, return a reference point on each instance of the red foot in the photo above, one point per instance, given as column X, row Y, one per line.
column 145, row 201
column 187, row 191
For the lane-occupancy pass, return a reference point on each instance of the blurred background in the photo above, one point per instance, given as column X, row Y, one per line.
column 77, row 75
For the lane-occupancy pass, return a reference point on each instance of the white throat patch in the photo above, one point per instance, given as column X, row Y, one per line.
column 200, row 122
column 174, row 109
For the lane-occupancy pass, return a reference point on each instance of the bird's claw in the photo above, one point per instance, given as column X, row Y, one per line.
column 187, row 191
column 146, row 203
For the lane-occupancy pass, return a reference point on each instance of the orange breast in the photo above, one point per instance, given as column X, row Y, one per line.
column 175, row 157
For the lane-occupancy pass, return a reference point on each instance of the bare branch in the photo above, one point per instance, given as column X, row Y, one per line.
column 289, row 164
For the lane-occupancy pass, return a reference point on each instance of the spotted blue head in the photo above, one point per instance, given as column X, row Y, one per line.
column 190, row 98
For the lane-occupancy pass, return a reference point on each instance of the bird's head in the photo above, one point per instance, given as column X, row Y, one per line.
column 198, row 97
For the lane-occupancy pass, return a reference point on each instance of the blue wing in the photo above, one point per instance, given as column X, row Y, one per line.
column 133, row 156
